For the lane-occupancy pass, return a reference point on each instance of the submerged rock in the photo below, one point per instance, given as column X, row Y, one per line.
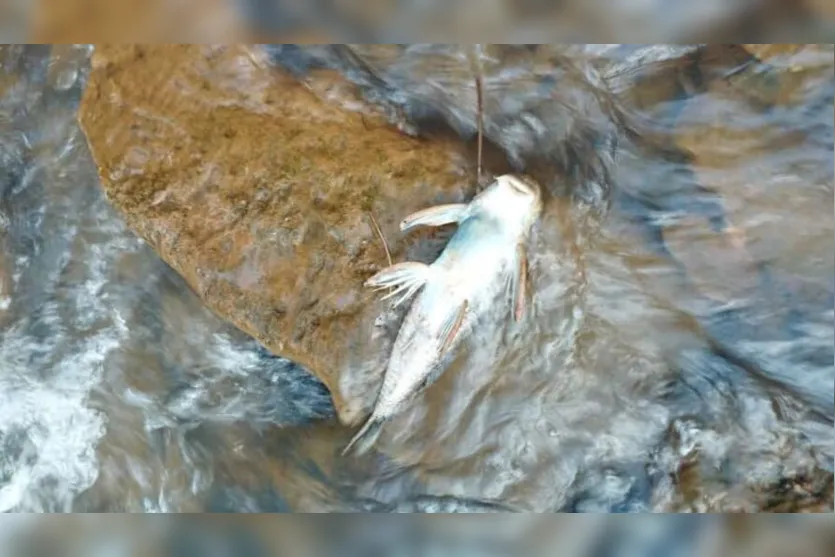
column 259, row 190
column 762, row 142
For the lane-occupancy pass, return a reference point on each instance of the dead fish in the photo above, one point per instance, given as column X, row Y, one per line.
column 485, row 254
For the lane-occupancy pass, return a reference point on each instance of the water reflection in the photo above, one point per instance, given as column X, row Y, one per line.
column 679, row 354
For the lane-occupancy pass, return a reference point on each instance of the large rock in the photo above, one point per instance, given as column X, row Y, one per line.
column 259, row 193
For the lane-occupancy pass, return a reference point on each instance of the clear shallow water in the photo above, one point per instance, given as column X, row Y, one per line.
column 666, row 365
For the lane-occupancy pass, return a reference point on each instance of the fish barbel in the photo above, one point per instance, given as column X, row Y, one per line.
column 485, row 254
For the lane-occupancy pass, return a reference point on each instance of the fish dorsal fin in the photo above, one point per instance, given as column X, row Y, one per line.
column 451, row 327
column 435, row 216
column 406, row 278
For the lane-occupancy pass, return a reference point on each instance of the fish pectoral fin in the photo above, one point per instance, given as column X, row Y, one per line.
column 435, row 216
column 406, row 278
column 452, row 327
column 520, row 283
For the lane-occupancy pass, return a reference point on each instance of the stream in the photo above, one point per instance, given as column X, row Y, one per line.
column 679, row 356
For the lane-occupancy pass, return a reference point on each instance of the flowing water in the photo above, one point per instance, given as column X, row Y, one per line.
column 680, row 350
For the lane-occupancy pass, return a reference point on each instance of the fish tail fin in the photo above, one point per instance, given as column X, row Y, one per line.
column 406, row 278
column 368, row 433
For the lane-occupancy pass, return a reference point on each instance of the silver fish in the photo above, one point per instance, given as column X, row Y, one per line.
column 486, row 253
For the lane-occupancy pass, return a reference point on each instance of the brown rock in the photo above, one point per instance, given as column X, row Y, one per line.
column 258, row 192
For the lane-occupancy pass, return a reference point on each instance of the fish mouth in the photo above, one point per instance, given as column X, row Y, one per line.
column 521, row 184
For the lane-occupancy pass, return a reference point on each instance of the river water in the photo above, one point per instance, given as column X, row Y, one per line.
column 679, row 358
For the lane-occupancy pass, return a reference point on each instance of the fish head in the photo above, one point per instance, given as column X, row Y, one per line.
column 514, row 200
